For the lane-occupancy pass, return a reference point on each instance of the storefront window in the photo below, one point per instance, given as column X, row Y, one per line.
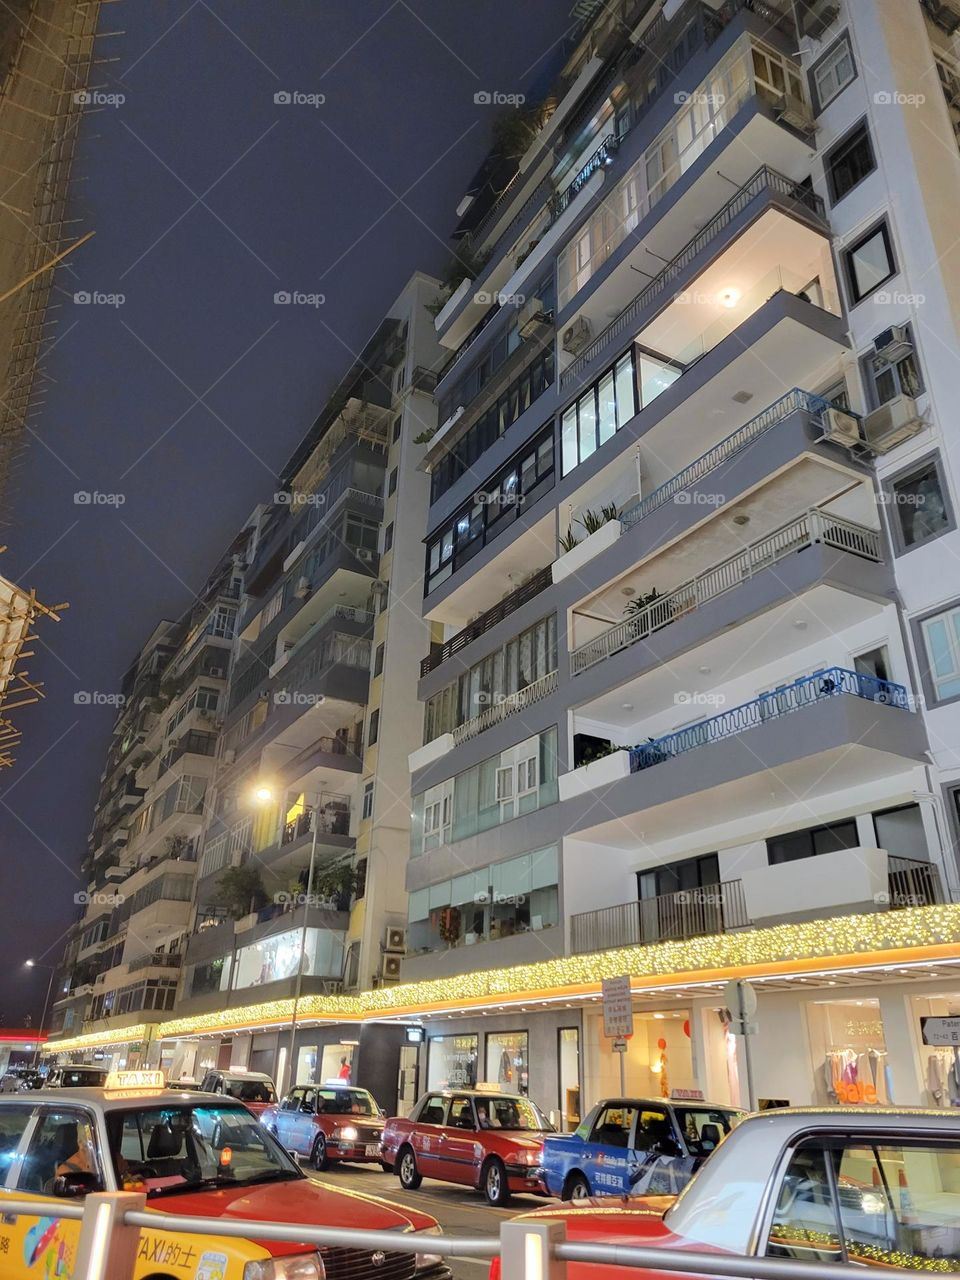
column 849, row 1053
column 275, row 958
column 569, row 1058
column 452, row 1062
column 336, row 1063
column 507, row 1060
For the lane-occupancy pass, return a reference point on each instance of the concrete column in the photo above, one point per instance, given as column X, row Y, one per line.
column 900, row 1036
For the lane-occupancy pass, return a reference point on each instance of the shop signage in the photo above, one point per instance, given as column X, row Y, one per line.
column 414, row 1035
column 940, row 1032
column 617, row 1008
column 687, row 1095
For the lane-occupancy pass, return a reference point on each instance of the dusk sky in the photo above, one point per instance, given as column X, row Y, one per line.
column 179, row 395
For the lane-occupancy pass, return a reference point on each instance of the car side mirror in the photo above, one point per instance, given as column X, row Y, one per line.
column 68, row 1186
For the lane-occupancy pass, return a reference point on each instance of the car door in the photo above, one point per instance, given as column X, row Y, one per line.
column 458, row 1142
column 285, row 1112
column 428, row 1133
column 609, row 1155
column 658, row 1163
column 302, row 1121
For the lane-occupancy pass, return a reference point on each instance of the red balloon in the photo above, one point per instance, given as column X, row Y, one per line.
column 661, row 1043
column 686, row 1027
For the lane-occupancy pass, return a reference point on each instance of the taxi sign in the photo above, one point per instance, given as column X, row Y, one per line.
column 135, row 1080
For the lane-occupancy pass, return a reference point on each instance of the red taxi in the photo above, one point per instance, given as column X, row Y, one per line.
column 489, row 1140
column 327, row 1124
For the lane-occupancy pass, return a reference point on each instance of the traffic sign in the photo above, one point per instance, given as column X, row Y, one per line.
column 617, row 1007
column 620, row 1046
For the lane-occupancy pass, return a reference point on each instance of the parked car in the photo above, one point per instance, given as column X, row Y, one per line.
column 20, row 1079
column 327, row 1124
column 485, row 1139
column 633, row 1146
column 77, row 1076
column 193, row 1156
column 254, row 1089
column 870, row 1187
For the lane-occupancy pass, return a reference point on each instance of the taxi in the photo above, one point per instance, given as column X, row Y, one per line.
column 483, row 1138
column 193, row 1154
column 328, row 1123
column 865, row 1186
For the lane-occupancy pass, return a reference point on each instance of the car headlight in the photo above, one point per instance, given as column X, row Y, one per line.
column 347, row 1133
column 298, row 1266
column 424, row 1260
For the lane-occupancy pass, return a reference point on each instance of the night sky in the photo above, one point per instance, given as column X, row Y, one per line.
column 186, row 398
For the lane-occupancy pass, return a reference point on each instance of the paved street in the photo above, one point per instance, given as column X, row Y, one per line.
column 458, row 1210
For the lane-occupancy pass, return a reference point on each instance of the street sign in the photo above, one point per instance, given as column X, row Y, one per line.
column 620, row 1046
column 617, row 1007
column 940, row 1032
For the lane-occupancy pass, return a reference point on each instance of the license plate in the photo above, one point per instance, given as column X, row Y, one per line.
column 373, row 1148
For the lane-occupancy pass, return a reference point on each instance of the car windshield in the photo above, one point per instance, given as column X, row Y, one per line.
column 510, row 1113
column 703, row 1128
column 249, row 1090
column 346, row 1102
column 171, row 1149
column 76, row 1079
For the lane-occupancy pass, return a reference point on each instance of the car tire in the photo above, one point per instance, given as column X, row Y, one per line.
column 576, row 1187
column 406, row 1169
column 318, row 1156
column 493, row 1182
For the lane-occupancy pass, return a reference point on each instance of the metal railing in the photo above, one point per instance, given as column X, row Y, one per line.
column 527, row 1248
column 913, row 883
column 793, row 402
column 168, row 960
column 805, row 531
column 333, row 818
column 829, row 683
column 507, row 705
column 765, row 179
column 509, row 604
column 687, row 913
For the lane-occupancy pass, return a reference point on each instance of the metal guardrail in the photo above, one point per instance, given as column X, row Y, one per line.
column 829, row 683
column 765, row 179
column 687, row 913
column 804, row 531
column 793, row 402
column 509, row 604
column 506, row 706
column 528, row 1248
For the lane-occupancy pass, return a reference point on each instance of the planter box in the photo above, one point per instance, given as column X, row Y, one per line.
column 598, row 773
column 573, row 561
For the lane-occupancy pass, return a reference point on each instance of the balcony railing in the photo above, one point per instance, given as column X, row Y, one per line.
column 688, row 913
column 765, row 179
column 506, row 706
column 794, row 401
column 913, row 883
column 333, row 818
column 509, row 604
column 829, row 683
column 805, row 531
column 168, row 960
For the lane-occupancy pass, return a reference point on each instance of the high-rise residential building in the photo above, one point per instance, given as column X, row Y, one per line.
column 689, row 565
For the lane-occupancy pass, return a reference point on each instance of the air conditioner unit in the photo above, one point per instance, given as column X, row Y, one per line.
column 892, row 423
column 841, row 428
column 893, row 343
column 390, row 966
column 302, row 589
column 395, row 940
column 817, row 17
column 366, row 555
column 577, row 335
column 229, row 755
column 217, row 673
column 531, row 317
column 793, row 111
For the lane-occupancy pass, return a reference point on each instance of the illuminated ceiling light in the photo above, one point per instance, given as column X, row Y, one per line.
column 263, row 795
column 728, row 297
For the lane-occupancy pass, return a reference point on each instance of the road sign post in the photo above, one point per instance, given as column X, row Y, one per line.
column 741, row 1001
column 618, row 1018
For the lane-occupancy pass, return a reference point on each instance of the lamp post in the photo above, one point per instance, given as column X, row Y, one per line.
column 32, row 964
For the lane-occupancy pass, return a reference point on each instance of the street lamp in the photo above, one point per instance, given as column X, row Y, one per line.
column 33, row 964
column 263, row 795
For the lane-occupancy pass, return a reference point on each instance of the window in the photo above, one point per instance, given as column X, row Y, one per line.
column 507, row 1060
column 835, row 70
column 378, row 660
column 869, row 263
column 804, row 1221
column 900, row 832
column 875, row 663
column 600, row 412
column 941, row 639
column 388, row 538
column 849, row 162
column 397, row 426
column 461, row 1114
column 885, row 380
column 367, row 809
column 62, row 1143
column 13, row 1123
column 614, row 1125
column 433, row 1110
column 919, row 510
column 436, row 816
column 373, row 731
column 812, row 842
column 451, row 1064
column 392, row 483
column 271, row 609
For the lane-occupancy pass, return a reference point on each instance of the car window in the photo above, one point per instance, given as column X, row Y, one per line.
column 613, row 1126
column 433, row 1110
column 63, row 1143
column 347, row 1102
column 13, row 1123
column 805, row 1222
column 703, row 1128
column 292, row 1101
column 249, row 1090
column 309, row 1100
column 461, row 1114
column 655, row 1131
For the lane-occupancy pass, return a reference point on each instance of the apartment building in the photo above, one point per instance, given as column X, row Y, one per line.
column 310, row 808
column 689, row 555
column 120, row 969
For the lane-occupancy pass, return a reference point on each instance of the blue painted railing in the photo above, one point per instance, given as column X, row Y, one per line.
column 828, row 683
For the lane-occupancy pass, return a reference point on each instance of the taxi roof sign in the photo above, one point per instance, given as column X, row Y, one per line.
column 134, row 1080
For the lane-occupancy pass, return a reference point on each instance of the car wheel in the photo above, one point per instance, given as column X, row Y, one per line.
column 407, row 1170
column 493, row 1182
column 576, row 1188
column 318, row 1157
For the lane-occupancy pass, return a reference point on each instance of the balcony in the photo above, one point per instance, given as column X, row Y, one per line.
column 688, row 913
column 166, row 960
column 507, row 705
column 440, row 653
column 830, row 683
column 807, row 530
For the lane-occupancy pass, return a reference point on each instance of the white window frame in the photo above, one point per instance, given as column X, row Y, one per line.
column 950, row 618
column 828, row 65
column 528, row 776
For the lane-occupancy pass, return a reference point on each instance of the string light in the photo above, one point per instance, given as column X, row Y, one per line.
column 800, row 944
